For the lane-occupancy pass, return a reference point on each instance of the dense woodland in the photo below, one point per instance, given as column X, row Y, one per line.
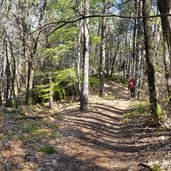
column 50, row 49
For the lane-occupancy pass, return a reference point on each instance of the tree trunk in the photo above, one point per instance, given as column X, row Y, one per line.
column 8, row 77
column 103, row 49
column 150, row 61
column 139, row 49
column 114, row 58
column 165, row 8
column 28, row 76
column 13, row 75
column 51, row 91
column 79, row 49
column 84, row 91
column 134, row 39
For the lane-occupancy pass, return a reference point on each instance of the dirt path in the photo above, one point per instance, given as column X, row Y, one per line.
column 95, row 139
column 99, row 140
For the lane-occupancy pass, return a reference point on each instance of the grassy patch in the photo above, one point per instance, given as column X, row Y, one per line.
column 109, row 97
column 53, row 135
column 46, row 133
column 138, row 111
column 11, row 113
column 30, row 127
column 156, row 168
column 47, row 150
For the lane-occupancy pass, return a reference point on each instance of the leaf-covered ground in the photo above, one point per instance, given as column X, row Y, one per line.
column 100, row 139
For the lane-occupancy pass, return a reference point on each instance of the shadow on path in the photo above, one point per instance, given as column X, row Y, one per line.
column 99, row 140
column 95, row 137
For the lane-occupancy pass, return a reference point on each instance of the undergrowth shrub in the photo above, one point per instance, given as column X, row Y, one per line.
column 66, row 80
column 141, row 112
column 94, row 83
column 118, row 79
column 156, row 168
column 63, row 85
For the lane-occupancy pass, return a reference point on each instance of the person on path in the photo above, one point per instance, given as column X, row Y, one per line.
column 132, row 86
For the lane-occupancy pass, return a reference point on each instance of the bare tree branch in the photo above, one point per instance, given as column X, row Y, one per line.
column 62, row 23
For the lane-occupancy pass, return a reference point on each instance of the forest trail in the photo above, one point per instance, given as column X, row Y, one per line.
column 97, row 139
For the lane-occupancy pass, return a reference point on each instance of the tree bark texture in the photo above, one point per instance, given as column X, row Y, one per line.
column 79, row 43
column 148, row 36
column 139, row 49
column 103, row 49
column 165, row 8
column 85, row 88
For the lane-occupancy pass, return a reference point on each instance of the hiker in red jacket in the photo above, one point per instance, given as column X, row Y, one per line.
column 132, row 86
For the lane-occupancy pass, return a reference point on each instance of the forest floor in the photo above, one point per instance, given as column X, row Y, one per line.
column 98, row 139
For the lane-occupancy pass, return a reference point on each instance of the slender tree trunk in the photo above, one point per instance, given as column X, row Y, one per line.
column 28, row 76
column 139, row 49
column 150, row 61
column 103, row 49
column 165, row 8
column 13, row 75
column 114, row 58
column 134, row 39
column 79, row 49
column 8, row 78
column 84, row 91
column 51, row 92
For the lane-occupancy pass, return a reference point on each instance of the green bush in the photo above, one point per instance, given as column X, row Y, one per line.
column 63, row 85
column 66, row 80
column 94, row 81
column 117, row 79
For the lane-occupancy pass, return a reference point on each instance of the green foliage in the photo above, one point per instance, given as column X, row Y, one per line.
column 61, row 8
column 8, row 103
column 53, row 135
column 41, row 93
column 117, row 79
column 66, row 80
column 64, row 85
column 58, row 93
column 47, row 150
column 64, row 36
column 156, row 168
column 12, row 112
column 94, row 81
column 46, row 133
column 95, row 39
column 138, row 111
column 94, row 84
column 30, row 127
column 55, row 53
column 159, row 110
